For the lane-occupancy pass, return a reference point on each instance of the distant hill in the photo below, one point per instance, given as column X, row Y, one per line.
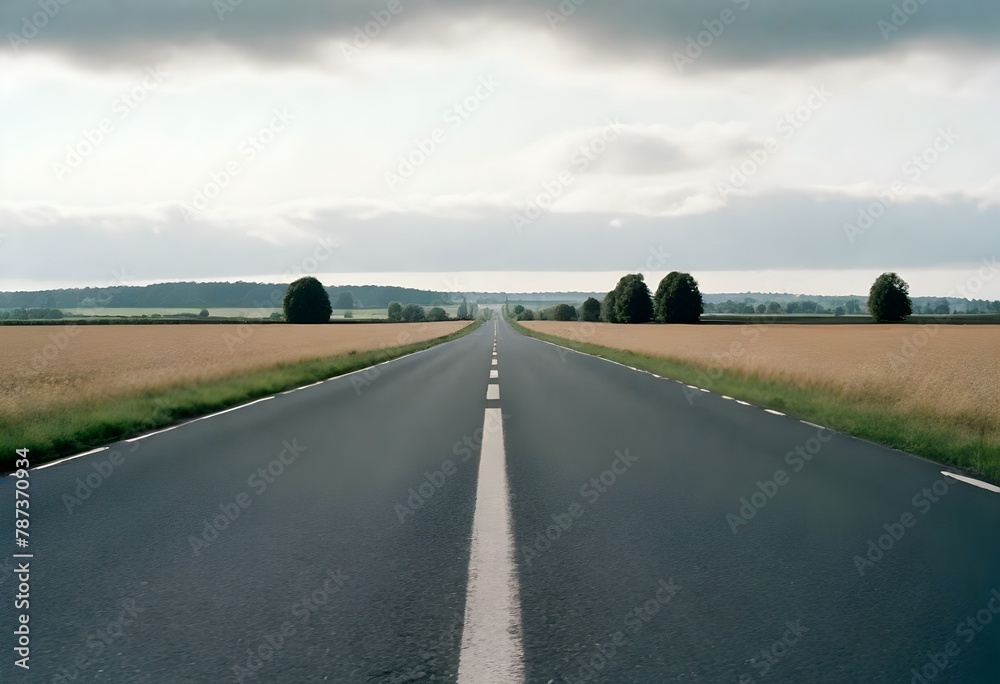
column 218, row 295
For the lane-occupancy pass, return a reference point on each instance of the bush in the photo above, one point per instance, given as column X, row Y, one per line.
column 564, row 312
column 437, row 314
column 306, row 301
column 203, row 313
column 526, row 315
column 413, row 313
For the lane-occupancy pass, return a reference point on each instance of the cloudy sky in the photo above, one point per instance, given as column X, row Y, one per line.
column 505, row 145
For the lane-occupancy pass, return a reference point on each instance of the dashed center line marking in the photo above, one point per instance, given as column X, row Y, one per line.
column 494, row 374
column 492, row 647
column 494, row 362
column 492, row 392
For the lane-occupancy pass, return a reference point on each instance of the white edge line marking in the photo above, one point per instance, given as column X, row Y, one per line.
column 818, row 427
column 491, row 648
column 230, row 410
column 978, row 483
column 727, row 398
column 743, row 403
column 775, row 413
column 492, row 391
column 693, row 387
column 150, row 434
column 70, row 458
column 195, row 420
column 704, row 390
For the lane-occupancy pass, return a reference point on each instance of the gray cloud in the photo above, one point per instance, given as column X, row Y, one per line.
column 742, row 236
column 765, row 31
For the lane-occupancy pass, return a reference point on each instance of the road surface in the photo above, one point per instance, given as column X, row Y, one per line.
column 535, row 515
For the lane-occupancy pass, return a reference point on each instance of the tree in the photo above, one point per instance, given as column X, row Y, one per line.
column 437, row 314
column 564, row 312
column 518, row 310
column 761, row 308
column 526, row 315
column 203, row 313
column 463, row 310
column 345, row 300
column 306, row 301
column 590, row 311
column 853, row 306
column 678, row 299
column 413, row 313
column 395, row 311
column 774, row 307
column 609, row 307
column 942, row 308
column 889, row 299
column 633, row 303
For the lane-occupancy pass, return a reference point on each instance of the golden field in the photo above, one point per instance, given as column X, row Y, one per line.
column 949, row 370
column 47, row 367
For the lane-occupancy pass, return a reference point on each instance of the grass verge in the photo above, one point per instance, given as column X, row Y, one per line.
column 70, row 429
column 968, row 444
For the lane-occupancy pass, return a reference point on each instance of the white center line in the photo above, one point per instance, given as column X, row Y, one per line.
column 492, row 391
column 494, row 374
column 494, row 362
column 491, row 635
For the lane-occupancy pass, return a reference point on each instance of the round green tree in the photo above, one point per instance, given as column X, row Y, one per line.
column 889, row 299
column 633, row 303
column 678, row 299
column 306, row 301
column 590, row 311
column 395, row 311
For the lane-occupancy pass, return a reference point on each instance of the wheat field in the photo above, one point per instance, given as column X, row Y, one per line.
column 945, row 370
column 48, row 367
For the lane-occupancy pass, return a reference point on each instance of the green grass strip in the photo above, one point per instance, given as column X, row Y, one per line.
column 75, row 428
column 969, row 443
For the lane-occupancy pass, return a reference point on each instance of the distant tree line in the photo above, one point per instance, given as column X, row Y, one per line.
column 210, row 295
column 678, row 300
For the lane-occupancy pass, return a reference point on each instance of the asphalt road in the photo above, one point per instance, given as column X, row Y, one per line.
column 654, row 533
